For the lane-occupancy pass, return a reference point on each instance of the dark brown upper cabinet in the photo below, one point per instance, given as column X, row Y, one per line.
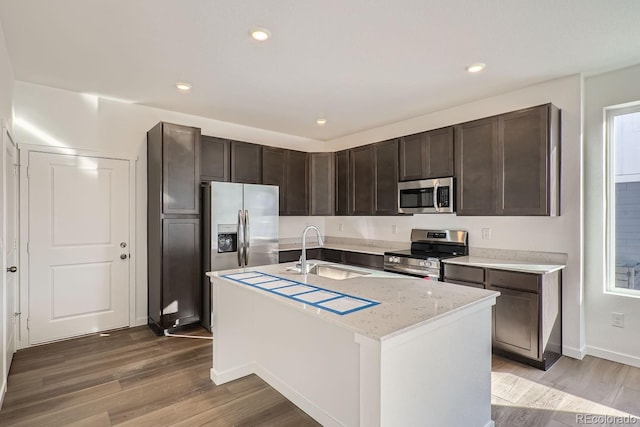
column 386, row 178
column 509, row 164
column 246, row 162
column 297, row 173
column 321, row 184
column 215, row 159
column 528, row 162
column 343, row 183
column 426, row 155
column 289, row 170
column 362, row 171
column 180, row 166
column 274, row 172
column 476, row 160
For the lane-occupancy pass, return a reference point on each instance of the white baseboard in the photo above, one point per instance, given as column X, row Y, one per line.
column 219, row 378
column 614, row 356
column 313, row 410
column 574, row 352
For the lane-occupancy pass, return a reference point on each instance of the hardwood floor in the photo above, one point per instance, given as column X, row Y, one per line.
column 133, row 378
column 524, row 396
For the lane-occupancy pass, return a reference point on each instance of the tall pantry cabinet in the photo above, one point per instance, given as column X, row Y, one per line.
column 173, row 226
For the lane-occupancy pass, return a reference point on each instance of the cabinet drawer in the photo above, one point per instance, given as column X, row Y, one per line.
column 332, row 255
column 463, row 283
column 364, row 260
column 514, row 280
column 464, row 273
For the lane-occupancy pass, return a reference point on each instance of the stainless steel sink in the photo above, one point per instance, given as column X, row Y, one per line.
column 335, row 272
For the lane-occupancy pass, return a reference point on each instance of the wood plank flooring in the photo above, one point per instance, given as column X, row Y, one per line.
column 133, row 378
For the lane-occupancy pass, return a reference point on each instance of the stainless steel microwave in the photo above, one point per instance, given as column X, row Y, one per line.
column 426, row 196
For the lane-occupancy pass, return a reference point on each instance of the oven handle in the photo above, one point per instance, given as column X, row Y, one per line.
column 435, row 196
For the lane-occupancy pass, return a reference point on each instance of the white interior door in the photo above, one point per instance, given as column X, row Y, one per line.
column 78, row 245
column 11, row 246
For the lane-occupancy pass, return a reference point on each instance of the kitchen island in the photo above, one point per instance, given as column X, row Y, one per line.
column 411, row 352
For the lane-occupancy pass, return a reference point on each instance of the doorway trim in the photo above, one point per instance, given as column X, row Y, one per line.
column 24, row 151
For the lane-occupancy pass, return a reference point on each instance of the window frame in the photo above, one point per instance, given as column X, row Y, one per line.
column 610, row 114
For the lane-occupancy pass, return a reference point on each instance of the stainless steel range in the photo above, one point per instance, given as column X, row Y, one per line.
column 428, row 247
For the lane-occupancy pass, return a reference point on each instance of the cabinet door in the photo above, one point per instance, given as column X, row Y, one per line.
column 246, row 163
column 180, row 169
column 413, row 157
column 439, row 153
column 523, row 162
column 362, row 180
column 386, row 178
column 181, row 281
column 476, row 149
column 322, row 184
column 273, row 173
column 215, row 159
column 342, row 183
column 297, row 174
column 516, row 321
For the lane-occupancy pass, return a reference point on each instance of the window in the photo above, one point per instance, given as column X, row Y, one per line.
column 623, row 200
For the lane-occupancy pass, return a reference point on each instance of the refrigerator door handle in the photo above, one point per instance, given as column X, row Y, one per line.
column 240, row 234
column 247, row 237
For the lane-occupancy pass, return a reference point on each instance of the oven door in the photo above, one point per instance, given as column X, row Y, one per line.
column 426, row 196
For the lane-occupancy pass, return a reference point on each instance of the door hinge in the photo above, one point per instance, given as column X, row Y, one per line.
column 15, row 170
column 27, row 171
column 27, row 247
column 28, row 323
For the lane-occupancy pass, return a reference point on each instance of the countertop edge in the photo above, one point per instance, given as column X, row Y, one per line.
column 511, row 265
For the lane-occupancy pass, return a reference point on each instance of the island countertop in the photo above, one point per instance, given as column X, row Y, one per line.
column 405, row 303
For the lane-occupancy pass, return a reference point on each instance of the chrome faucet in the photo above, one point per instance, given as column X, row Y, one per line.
column 303, row 256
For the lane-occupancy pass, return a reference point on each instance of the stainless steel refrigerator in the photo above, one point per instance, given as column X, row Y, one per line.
column 240, row 229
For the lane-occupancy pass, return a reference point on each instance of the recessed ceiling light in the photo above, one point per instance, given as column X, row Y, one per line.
column 183, row 87
column 321, row 122
column 475, row 68
column 260, row 34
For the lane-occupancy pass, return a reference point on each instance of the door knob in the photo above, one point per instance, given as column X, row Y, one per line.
column 123, row 244
column 123, row 256
column 12, row 269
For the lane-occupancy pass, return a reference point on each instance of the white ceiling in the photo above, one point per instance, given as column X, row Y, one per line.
column 358, row 63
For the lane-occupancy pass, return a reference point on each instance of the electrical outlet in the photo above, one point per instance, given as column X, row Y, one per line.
column 486, row 234
column 394, row 229
column 617, row 320
column 341, row 227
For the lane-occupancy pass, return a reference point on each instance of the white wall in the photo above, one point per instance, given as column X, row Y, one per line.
column 6, row 102
column 604, row 340
column 49, row 116
column 550, row 234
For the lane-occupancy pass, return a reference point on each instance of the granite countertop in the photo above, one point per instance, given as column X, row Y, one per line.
column 522, row 266
column 405, row 302
column 365, row 249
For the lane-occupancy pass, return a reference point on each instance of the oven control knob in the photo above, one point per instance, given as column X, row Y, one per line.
column 423, row 263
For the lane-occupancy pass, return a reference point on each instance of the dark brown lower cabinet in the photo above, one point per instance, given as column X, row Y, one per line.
column 515, row 322
column 334, row 255
column 526, row 320
column 174, row 300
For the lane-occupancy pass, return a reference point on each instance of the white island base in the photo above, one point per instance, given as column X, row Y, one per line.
column 434, row 374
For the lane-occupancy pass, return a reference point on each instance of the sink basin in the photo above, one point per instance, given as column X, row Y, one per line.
column 335, row 272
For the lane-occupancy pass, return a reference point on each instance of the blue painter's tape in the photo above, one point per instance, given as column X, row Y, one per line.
column 329, row 301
